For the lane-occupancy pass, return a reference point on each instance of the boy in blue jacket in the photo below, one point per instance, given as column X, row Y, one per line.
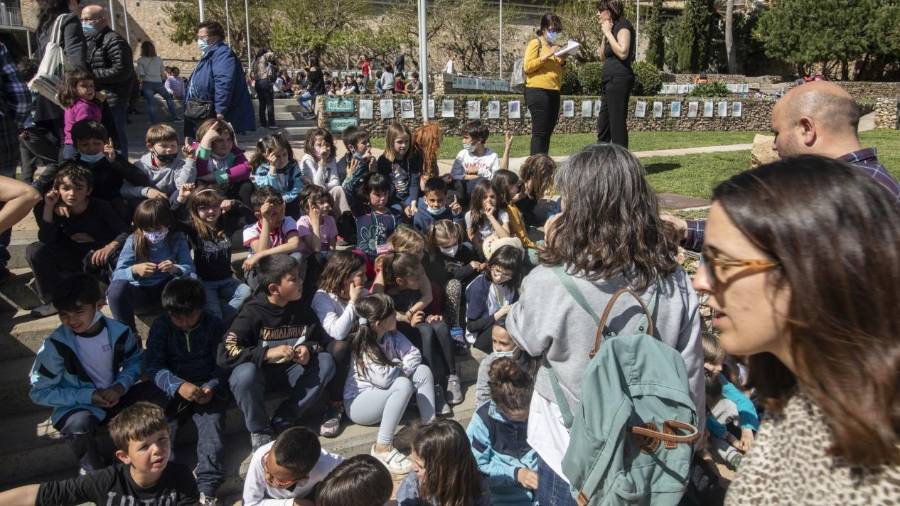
column 498, row 433
column 86, row 369
column 181, row 360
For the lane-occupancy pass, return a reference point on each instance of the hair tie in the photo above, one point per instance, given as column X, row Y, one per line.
column 363, row 321
column 205, row 190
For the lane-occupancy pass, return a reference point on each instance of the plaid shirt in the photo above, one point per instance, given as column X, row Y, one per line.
column 864, row 159
column 15, row 93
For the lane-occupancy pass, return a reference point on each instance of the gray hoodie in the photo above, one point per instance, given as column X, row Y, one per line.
column 168, row 180
column 546, row 321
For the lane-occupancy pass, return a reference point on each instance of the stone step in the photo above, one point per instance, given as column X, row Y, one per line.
column 35, row 451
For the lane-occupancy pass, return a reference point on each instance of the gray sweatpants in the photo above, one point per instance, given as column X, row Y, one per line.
column 387, row 406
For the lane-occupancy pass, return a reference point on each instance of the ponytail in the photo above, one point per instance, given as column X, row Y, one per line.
column 364, row 343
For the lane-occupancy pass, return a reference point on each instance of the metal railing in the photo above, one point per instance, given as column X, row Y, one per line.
column 10, row 16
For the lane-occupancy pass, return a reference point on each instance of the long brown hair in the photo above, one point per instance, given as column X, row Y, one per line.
column 395, row 130
column 451, row 474
column 151, row 214
column 537, row 175
column 341, row 265
column 427, row 140
column 364, row 344
column 476, row 202
column 610, row 222
column 68, row 94
column 205, row 198
column 805, row 213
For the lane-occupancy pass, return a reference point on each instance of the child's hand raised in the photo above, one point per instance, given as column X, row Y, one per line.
column 188, row 150
column 226, row 205
column 185, row 192
column 508, row 138
column 110, row 151
column 411, row 210
column 352, row 166
column 455, row 206
column 266, row 208
column 143, row 269
column 51, row 198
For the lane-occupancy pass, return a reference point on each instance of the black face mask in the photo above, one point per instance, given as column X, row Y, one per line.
column 166, row 159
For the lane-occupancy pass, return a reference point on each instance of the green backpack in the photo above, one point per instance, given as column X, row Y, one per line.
column 631, row 433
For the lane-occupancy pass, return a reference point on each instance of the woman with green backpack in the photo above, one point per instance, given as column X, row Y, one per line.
column 609, row 237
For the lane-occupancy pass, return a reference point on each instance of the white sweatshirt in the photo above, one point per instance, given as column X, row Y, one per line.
column 327, row 177
column 259, row 493
column 404, row 359
column 337, row 317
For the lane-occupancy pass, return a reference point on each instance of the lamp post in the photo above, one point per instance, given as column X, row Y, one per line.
column 423, row 58
column 247, row 16
column 501, row 39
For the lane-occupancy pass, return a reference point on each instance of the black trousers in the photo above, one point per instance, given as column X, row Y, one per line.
column 544, row 107
column 612, row 120
column 266, row 96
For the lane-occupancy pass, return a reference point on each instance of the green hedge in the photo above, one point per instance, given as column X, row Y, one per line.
column 716, row 89
column 590, row 76
column 648, row 79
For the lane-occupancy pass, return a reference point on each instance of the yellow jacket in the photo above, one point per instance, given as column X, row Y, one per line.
column 517, row 226
column 538, row 74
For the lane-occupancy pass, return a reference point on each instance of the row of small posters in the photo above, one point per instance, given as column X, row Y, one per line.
column 589, row 108
column 721, row 109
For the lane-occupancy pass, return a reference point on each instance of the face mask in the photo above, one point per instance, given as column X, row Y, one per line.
column 451, row 251
column 88, row 28
column 436, row 211
column 551, row 36
column 157, row 236
column 468, row 147
column 359, row 156
column 97, row 316
column 90, row 159
column 203, row 44
column 166, row 159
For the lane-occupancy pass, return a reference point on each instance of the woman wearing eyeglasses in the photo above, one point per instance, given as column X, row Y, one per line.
column 802, row 263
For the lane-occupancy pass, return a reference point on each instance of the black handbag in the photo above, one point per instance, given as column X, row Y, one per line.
column 199, row 110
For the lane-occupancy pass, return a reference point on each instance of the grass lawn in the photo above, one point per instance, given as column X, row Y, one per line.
column 565, row 144
column 696, row 175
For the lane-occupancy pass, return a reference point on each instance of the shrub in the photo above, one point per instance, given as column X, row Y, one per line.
column 648, row 79
column 710, row 90
column 590, row 76
column 570, row 84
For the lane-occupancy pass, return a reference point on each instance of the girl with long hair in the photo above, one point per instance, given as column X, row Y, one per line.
column 221, row 161
column 81, row 102
column 427, row 140
column 445, row 472
column 385, row 371
column 403, row 165
column 491, row 295
column 451, row 265
column 319, row 167
column 273, row 164
column 152, row 256
column 486, row 215
column 821, row 337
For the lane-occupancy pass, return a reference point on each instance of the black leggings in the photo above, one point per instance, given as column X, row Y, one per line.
column 438, row 356
column 544, row 107
column 612, row 120
column 340, row 350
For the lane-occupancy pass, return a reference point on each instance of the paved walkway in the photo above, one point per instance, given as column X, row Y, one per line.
column 515, row 163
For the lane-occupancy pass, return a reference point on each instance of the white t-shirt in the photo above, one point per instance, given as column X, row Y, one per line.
column 547, row 434
column 258, row 492
column 488, row 164
column 150, row 68
column 276, row 237
column 96, row 355
column 486, row 230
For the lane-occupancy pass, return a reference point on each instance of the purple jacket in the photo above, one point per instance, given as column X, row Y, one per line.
column 238, row 169
column 81, row 109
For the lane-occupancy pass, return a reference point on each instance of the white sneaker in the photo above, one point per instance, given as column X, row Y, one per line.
column 393, row 460
column 207, row 501
column 44, row 310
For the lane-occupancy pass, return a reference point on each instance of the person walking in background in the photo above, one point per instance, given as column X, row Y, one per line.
column 174, row 83
column 617, row 54
column 264, row 71
column 151, row 74
column 543, row 78
column 109, row 58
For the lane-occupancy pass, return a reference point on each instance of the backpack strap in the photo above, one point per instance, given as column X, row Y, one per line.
column 56, row 36
column 561, row 401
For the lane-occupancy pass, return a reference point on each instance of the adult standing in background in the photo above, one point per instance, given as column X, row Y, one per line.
column 264, row 71
column 617, row 54
column 42, row 137
column 315, row 80
column 219, row 79
column 151, row 73
column 543, row 78
column 110, row 60
column 400, row 64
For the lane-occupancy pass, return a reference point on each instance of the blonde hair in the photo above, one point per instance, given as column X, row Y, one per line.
column 445, row 229
column 407, row 240
column 161, row 132
column 394, row 131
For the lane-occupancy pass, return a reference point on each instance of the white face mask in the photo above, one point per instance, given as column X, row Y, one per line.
column 451, row 251
column 155, row 237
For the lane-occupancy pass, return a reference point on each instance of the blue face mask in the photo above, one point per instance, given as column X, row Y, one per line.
column 436, row 211
column 88, row 28
column 551, row 36
column 203, row 44
column 469, row 147
column 91, row 159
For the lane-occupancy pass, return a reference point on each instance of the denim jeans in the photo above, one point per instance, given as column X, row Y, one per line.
column 230, row 291
column 125, row 298
column 149, row 91
column 210, row 422
column 248, row 384
column 552, row 489
column 310, row 97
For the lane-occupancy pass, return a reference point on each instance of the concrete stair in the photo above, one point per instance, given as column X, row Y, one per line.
column 33, row 451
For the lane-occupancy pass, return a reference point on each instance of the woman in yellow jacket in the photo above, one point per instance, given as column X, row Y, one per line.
column 543, row 76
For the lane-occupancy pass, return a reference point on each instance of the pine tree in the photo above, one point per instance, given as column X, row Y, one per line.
column 656, row 42
column 693, row 39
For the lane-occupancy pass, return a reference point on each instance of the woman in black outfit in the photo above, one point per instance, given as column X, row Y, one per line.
column 617, row 55
column 265, row 70
column 41, row 142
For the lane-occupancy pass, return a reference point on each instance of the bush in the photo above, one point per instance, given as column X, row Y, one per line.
column 570, row 84
column 648, row 79
column 590, row 76
column 710, row 90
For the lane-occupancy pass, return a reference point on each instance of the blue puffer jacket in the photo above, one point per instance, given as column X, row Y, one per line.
column 59, row 380
column 500, row 448
column 174, row 248
column 219, row 77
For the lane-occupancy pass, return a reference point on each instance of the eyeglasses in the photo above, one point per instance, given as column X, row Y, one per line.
column 272, row 479
column 716, row 267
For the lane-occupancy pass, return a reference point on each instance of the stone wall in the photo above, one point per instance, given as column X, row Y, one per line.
column 866, row 89
column 755, row 116
column 887, row 113
column 725, row 78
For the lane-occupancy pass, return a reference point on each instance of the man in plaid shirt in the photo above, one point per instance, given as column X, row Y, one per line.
column 816, row 118
column 15, row 103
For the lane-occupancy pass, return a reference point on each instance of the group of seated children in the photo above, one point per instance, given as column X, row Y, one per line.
column 372, row 328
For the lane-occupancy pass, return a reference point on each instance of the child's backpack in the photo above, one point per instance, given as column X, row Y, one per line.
column 631, row 433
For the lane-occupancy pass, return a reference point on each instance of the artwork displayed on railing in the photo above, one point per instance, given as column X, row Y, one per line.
column 430, row 108
column 736, row 109
column 708, row 109
column 365, row 109
column 657, row 109
column 693, row 107
column 406, row 109
column 514, row 109
column 473, row 109
column 447, row 108
column 722, row 109
column 387, row 108
column 587, row 108
column 675, row 110
column 568, row 108
column 493, row 111
column 640, row 109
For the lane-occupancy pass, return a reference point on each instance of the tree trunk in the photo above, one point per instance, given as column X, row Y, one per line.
column 729, row 37
column 845, row 70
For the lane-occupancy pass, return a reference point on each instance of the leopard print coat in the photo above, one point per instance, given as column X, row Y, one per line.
column 789, row 465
